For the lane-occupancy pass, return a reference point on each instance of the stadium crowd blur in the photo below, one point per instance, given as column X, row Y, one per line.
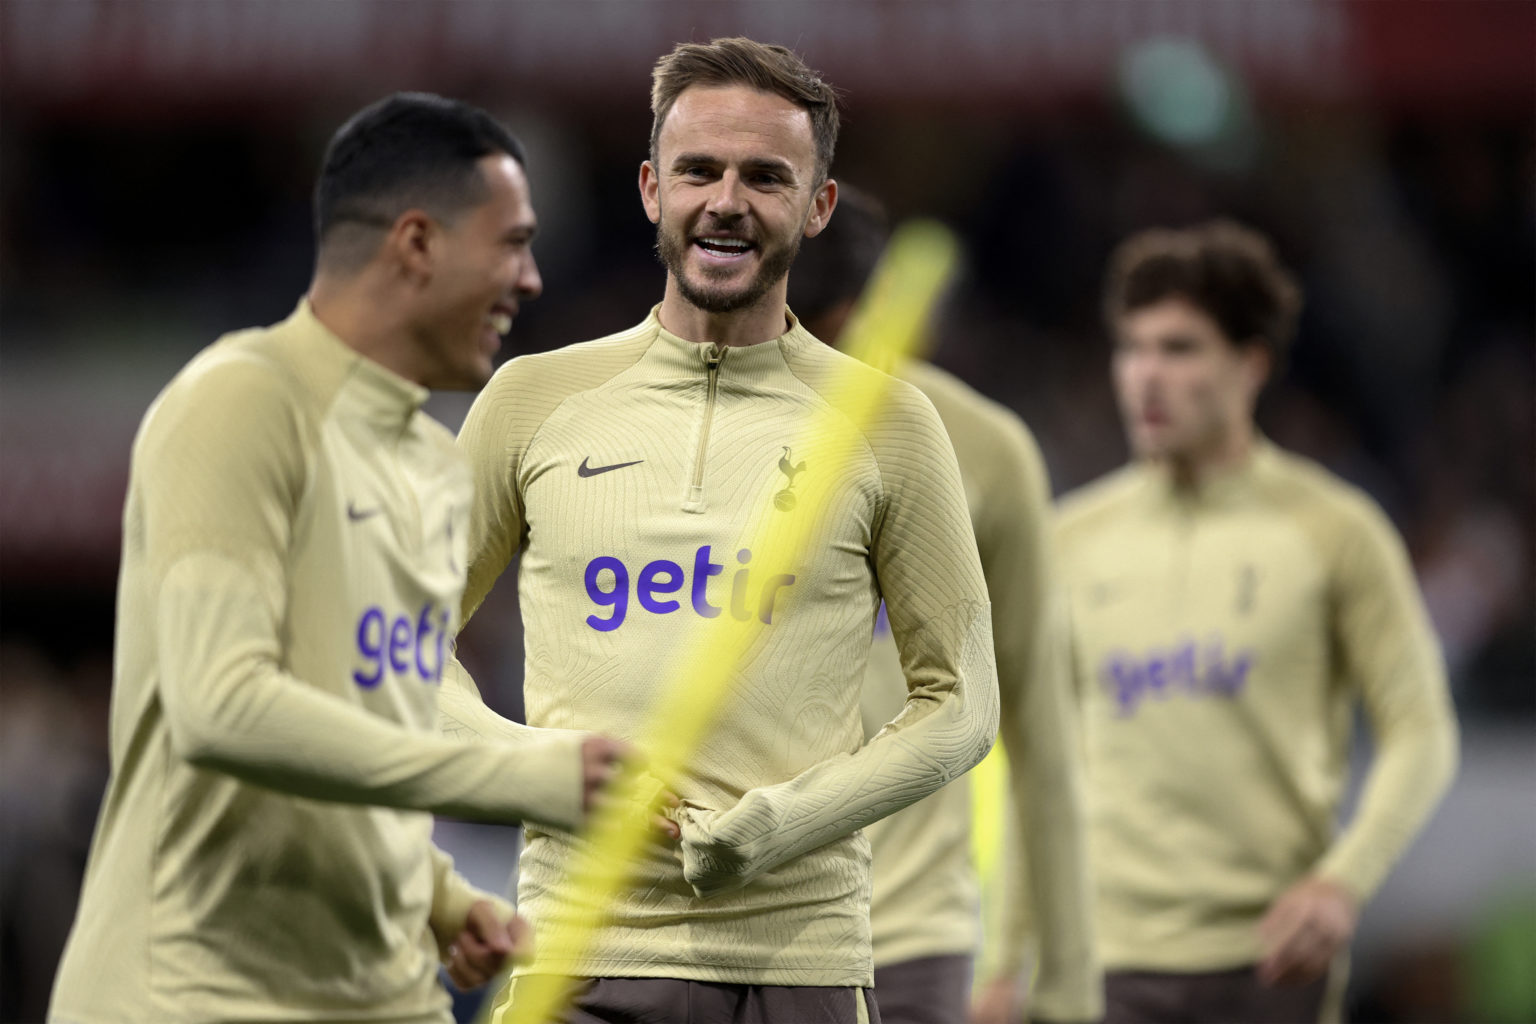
column 150, row 200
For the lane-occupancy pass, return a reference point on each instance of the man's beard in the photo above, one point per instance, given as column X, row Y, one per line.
column 774, row 264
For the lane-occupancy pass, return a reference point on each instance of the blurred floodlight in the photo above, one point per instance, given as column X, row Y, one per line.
column 1175, row 90
column 1180, row 95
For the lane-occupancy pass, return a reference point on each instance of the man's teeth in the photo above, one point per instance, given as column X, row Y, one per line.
column 502, row 322
column 729, row 244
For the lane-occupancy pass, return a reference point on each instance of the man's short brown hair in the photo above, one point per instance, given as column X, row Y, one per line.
column 741, row 61
column 1227, row 270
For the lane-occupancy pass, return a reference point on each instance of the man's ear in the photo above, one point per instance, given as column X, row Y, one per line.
column 650, row 191
column 413, row 244
column 822, row 205
column 1258, row 363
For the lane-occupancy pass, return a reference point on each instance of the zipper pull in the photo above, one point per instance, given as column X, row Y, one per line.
column 713, row 355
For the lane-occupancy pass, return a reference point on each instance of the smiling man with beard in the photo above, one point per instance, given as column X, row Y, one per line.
column 634, row 469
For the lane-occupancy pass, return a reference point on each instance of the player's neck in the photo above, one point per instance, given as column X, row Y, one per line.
column 762, row 321
column 1196, row 468
column 348, row 311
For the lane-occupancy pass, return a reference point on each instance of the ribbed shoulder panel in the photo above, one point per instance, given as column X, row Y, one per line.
column 1335, row 514
column 504, row 421
column 528, row 389
column 1088, row 505
column 906, row 422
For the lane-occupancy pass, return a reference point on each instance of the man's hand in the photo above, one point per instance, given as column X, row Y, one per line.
column 1304, row 930
column 602, row 759
column 484, row 945
column 1000, row 1002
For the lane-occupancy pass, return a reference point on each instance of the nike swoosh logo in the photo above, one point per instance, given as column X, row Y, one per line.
column 358, row 515
column 586, row 470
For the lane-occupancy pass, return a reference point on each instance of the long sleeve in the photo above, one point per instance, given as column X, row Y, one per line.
column 226, row 465
column 1047, row 894
column 924, row 557
column 1390, row 651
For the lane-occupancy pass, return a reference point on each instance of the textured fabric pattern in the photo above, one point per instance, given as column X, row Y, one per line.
column 925, row 887
column 1222, row 639
column 294, row 550
column 632, row 476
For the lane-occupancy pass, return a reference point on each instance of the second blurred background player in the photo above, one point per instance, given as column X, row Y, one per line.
column 1231, row 604
column 925, row 913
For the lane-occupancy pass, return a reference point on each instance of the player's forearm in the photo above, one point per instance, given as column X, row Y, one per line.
column 1414, row 763
column 463, row 714
column 1389, row 646
column 944, row 730
column 452, row 896
column 231, row 708
column 1048, row 909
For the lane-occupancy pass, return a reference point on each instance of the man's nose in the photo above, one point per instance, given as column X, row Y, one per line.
column 530, row 284
column 728, row 198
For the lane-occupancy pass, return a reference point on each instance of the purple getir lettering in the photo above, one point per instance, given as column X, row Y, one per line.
column 607, row 582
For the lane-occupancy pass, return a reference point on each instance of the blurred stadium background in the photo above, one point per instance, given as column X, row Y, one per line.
column 155, row 166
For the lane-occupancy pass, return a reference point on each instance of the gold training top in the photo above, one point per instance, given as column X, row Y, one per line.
column 636, row 469
column 1223, row 637
column 293, row 561
column 925, row 887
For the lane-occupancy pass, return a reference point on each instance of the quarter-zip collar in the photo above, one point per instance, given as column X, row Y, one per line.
column 722, row 370
column 1216, row 488
column 380, row 394
column 748, row 364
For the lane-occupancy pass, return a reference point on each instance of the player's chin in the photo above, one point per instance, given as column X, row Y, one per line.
column 1151, row 442
column 479, row 374
column 721, row 296
column 471, row 375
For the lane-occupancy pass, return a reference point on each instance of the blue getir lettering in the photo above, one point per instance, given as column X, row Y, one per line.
column 607, row 581
column 703, row 569
column 1185, row 669
column 647, row 586
column 401, row 645
column 370, row 643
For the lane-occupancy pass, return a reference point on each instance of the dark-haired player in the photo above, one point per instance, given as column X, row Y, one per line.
column 1232, row 604
column 293, row 560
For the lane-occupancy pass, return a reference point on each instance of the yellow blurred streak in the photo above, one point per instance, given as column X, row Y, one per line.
column 989, row 812
column 886, row 328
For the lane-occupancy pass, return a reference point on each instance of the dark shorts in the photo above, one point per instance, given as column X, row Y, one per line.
column 931, row 990
column 1208, row 997
column 676, row 1001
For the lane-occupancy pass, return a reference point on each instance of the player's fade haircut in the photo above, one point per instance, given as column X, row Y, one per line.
column 1224, row 268
column 411, row 150
column 762, row 66
column 834, row 267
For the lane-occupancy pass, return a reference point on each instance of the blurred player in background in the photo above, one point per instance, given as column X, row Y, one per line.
column 1231, row 604
column 924, row 913
column 633, row 468
column 293, row 560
